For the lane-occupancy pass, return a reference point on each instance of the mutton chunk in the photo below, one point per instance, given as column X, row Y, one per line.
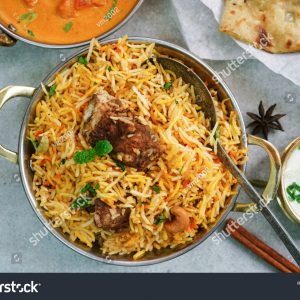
column 99, row 118
column 133, row 143
column 110, row 218
column 138, row 146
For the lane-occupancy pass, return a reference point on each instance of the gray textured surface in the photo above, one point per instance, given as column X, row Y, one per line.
column 252, row 82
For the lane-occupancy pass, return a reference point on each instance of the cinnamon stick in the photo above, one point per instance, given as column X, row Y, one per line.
column 260, row 248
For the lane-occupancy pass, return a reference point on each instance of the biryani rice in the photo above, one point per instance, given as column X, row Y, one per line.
column 188, row 173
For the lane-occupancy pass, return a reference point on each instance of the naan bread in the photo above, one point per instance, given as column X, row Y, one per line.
column 271, row 25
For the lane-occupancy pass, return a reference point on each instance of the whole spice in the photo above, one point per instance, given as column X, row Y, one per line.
column 265, row 120
column 258, row 247
column 6, row 40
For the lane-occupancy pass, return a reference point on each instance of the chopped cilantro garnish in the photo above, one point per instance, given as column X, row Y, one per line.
column 85, row 156
column 160, row 219
column 168, row 85
column 97, row 186
column 156, row 189
column 103, row 147
column 82, row 60
column 88, row 188
column 28, row 17
column 80, row 202
column 52, row 90
column 93, row 192
column 68, row 26
column 63, row 161
column 293, row 191
column 108, row 68
column 121, row 165
column 30, row 32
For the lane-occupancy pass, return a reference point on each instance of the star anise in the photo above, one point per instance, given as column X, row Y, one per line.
column 265, row 120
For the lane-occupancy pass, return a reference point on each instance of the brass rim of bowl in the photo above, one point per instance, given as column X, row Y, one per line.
column 282, row 198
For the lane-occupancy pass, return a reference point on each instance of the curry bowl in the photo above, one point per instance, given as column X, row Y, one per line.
column 156, row 256
column 62, row 23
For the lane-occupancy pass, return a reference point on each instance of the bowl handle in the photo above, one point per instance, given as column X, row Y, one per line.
column 6, row 94
column 271, row 189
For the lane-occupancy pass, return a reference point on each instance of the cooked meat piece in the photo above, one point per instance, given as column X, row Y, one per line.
column 138, row 146
column 99, row 123
column 110, row 218
column 31, row 3
column 133, row 143
column 66, row 9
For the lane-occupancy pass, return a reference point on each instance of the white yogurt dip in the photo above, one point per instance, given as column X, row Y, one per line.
column 292, row 175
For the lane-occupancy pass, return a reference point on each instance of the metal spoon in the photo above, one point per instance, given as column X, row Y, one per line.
column 204, row 99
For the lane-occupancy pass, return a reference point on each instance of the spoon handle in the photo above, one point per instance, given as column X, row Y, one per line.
column 262, row 206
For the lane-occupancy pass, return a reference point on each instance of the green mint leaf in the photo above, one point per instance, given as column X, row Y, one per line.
column 103, row 147
column 85, row 156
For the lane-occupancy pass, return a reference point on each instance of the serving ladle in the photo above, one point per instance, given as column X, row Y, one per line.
column 205, row 101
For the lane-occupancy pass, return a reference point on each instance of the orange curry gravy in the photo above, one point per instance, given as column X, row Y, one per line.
column 63, row 21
